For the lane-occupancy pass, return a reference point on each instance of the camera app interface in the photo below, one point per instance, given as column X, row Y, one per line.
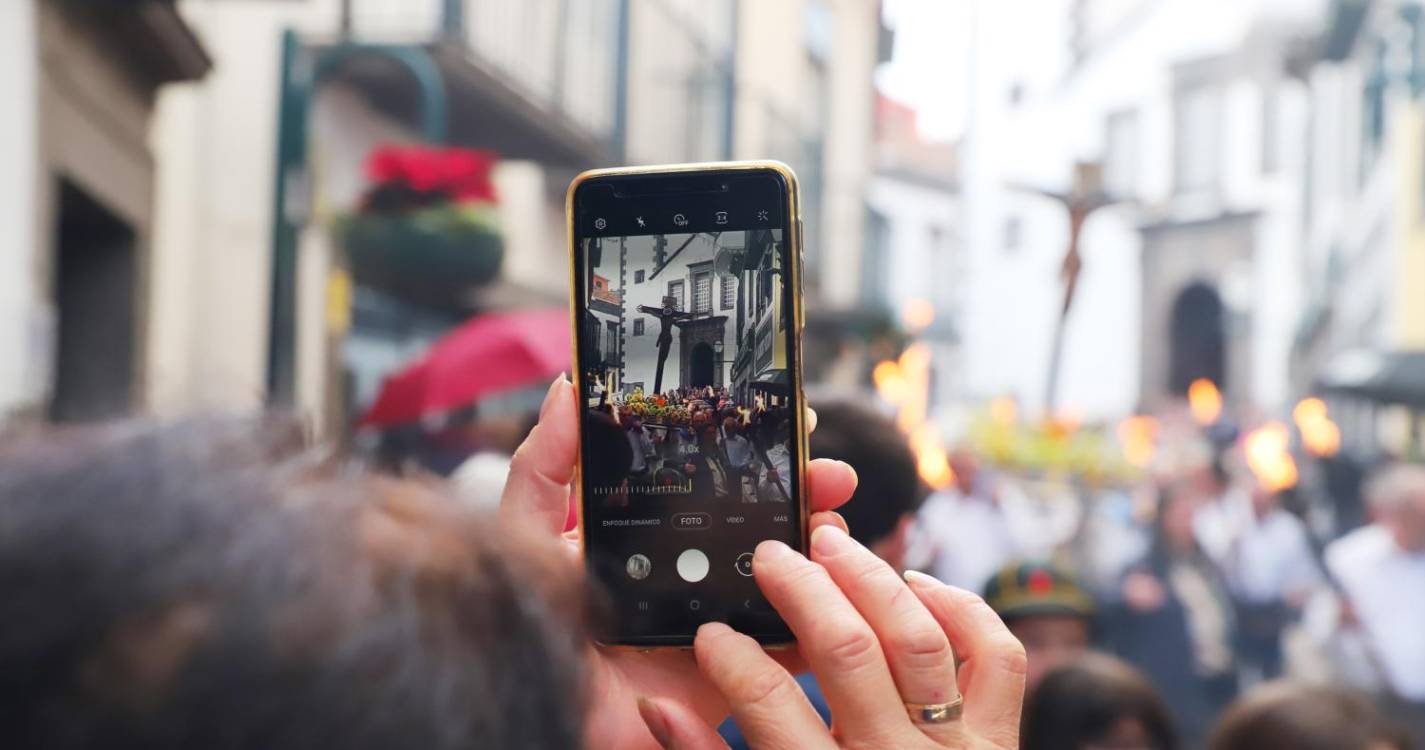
column 688, row 427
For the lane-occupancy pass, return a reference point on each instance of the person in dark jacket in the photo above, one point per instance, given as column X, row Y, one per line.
column 1174, row 619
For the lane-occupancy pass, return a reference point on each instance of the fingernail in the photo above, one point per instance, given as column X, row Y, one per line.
column 713, row 628
column 919, row 578
column 657, row 724
column 830, row 541
column 852, row 469
column 554, row 387
column 821, row 518
column 773, row 550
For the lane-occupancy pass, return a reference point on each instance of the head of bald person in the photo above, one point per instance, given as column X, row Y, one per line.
column 1397, row 499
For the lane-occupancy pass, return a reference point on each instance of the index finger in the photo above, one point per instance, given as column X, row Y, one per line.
column 836, row 640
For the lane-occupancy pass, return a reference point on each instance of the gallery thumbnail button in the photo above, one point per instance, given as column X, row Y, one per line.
column 692, row 521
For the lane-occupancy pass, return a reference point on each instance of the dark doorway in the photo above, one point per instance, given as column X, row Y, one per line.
column 1198, row 339
column 95, row 273
column 700, row 365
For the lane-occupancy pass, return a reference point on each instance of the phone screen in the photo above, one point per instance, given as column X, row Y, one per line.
column 690, row 396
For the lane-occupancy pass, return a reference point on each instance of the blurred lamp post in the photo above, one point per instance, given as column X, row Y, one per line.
column 304, row 68
column 1085, row 196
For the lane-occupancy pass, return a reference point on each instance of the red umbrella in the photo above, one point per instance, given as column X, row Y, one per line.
column 488, row 355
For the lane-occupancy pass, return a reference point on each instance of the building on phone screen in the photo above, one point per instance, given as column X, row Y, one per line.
column 760, row 366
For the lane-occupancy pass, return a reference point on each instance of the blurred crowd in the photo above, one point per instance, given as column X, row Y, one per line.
column 1205, row 583
column 1224, row 624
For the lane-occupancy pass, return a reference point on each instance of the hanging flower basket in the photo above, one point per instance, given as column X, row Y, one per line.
column 427, row 227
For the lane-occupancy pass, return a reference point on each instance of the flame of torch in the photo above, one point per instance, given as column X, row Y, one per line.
column 1205, row 401
column 1269, row 457
column 906, row 384
column 1319, row 434
column 890, row 381
column 1138, row 435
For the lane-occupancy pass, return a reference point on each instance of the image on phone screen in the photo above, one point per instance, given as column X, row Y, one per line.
column 688, row 448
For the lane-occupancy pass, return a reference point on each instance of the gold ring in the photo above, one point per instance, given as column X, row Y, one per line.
column 936, row 713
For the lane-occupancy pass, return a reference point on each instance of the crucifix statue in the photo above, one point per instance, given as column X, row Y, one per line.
column 1085, row 196
column 670, row 316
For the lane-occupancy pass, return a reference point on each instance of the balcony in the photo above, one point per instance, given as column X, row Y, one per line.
column 535, row 79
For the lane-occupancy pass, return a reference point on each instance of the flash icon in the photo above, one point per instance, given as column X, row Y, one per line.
column 640, row 221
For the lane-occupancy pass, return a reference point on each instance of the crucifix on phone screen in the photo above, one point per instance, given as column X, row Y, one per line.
column 670, row 316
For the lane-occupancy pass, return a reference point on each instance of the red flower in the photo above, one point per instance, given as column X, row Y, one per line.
column 457, row 174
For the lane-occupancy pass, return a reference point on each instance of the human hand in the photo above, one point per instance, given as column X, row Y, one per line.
column 1143, row 592
column 537, row 493
column 876, row 645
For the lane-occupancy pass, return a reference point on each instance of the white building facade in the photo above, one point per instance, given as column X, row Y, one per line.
column 1193, row 110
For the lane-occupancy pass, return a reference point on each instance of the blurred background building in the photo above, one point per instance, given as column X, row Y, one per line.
column 227, row 186
column 80, row 196
column 183, row 169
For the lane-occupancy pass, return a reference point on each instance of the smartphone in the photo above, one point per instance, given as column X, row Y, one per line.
column 687, row 309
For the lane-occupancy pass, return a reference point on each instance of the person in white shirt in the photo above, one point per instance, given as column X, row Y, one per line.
column 643, row 451
column 962, row 535
column 1379, row 570
column 777, row 464
column 1267, row 561
column 739, row 452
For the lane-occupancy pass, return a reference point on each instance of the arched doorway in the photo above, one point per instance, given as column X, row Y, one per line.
column 1198, row 338
column 700, row 365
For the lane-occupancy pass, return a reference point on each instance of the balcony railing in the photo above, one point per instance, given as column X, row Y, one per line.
column 651, row 79
column 562, row 56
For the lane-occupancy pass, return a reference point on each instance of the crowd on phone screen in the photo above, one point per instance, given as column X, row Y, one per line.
column 699, row 444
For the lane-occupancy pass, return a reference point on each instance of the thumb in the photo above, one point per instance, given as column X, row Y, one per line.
column 676, row 727
column 537, row 490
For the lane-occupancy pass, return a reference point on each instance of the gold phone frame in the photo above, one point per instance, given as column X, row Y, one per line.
column 795, row 260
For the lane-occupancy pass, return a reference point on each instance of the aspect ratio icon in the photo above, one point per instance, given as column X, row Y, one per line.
column 680, row 220
column 720, row 217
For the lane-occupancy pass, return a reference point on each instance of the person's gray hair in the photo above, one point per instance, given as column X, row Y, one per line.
column 1393, row 486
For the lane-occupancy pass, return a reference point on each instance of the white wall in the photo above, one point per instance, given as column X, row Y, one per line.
column 918, row 268
column 847, row 165
column 215, row 143
column 20, row 320
column 773, row 69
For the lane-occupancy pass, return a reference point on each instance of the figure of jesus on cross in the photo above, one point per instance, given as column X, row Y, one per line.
column 670, row 316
